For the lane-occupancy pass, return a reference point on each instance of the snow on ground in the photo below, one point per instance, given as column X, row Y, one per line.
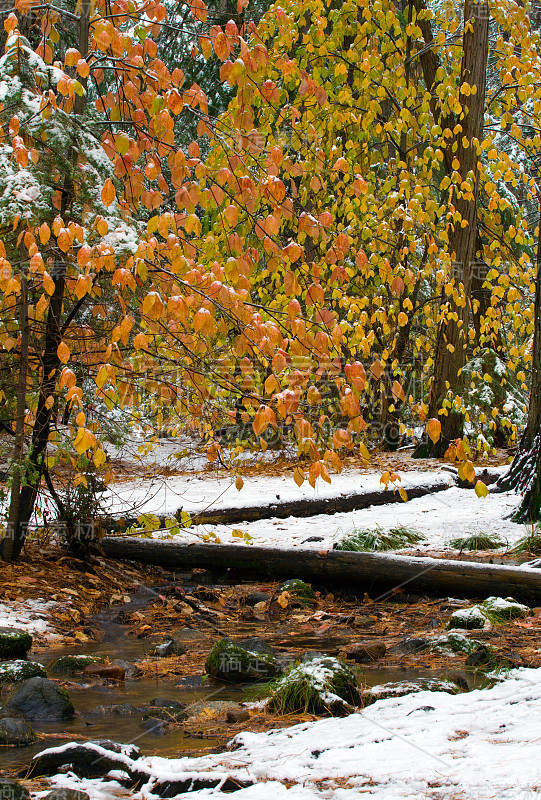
column 478, row 745
column 30, row 615
column 200, row 491
column 439, row 517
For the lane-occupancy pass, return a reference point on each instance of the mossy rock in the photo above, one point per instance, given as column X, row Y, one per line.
column 492, row 611
column 401, row 688
column 322, row 685
column 72, row 665
column 14, row 643
column 503, row 609
column 233, row 663
column 298, row 588
column 453, row 642
column 469, row 619
column 13, row 671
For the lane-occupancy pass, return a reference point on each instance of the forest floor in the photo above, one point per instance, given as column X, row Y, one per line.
column 426, row 745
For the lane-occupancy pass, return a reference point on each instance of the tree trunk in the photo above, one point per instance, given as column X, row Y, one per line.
column 452, row 340
column 17, row 469
column 524, row 475
column 367, row 571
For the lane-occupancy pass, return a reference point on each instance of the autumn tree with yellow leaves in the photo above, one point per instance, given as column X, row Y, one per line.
column 360, row 227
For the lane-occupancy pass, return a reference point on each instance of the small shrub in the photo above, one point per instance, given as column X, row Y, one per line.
column 379, row 540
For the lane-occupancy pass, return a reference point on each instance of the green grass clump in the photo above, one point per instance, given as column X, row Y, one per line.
column 322, row 685
column 477, row 541
column 378, row 540
column 529, row 544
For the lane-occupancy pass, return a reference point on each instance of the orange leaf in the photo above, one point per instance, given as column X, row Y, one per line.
column 63, row 352
column 108, row 193
column 433, row 429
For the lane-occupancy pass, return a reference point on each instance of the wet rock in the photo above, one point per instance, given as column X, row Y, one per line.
column 191, row 682
column 255, row 644
column 168, row 647
column 482, row 656
column 105, row 672
column 39, row 698
column 313, row 539
column 205, row 710
column 235, row 715
column 15, row 671
column 14, row 643
column 188, row 634
column 130, row 670
column 72, row 665
column 63, row 793
column 12, row 790
column 363, row 621
column 117, row 710
column 165, row 702
column 232, row 663
column 410, row 645
column 319, row 686
column 298, row 588
column 15, row 732
column 257, row 597
column 402, row 688
column 364, row 652
column 157, row 726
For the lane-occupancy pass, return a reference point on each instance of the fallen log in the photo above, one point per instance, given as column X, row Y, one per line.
column 383, row 572
column 297, row 508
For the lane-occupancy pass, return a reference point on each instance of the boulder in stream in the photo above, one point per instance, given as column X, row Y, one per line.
column 16, row 732
column 365, row 652
column 14, row 643
column 72, row 665
column 234, row 663
column 206, row 710
column 39, row 698
column 105, row 672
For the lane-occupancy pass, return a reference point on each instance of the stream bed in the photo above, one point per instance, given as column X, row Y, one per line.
column 116, row 640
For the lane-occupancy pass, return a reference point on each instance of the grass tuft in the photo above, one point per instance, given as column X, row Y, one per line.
column 529, row 544
column 378, row 540
column 477, row 541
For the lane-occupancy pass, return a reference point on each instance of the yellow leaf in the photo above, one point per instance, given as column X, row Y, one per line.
column 298, row 476
column 48, row 283
column 239, row 483
column 99, row 458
